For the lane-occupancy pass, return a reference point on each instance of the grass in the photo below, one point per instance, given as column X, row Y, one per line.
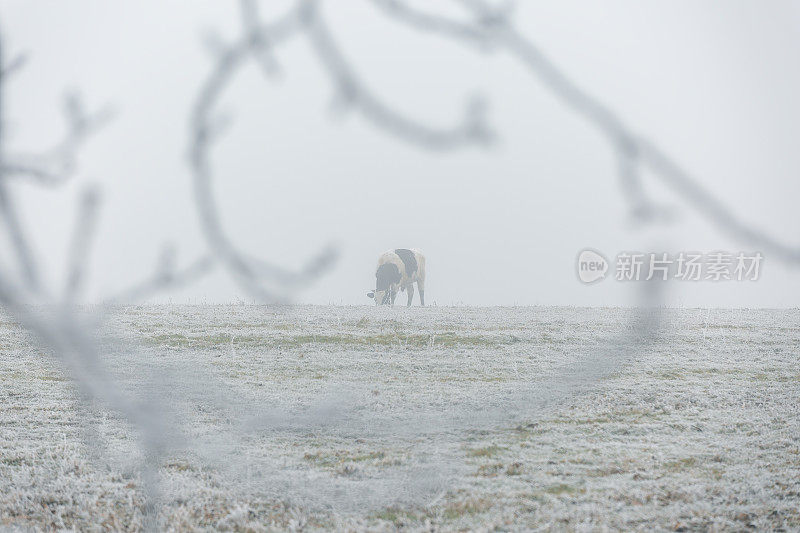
column 336, row 459
column 581, row 420
column 30, row 375
column 452, row 510
column 467, row 507
column 473, row 378
column 681, row 464
column 495, row 469
column 487, row 451
column 560, row 489
column 180, row 466
column 623, row 456
column 14, row 461
column 413, row 340
column 490, row 470
column 396, row 516
column 768, row 375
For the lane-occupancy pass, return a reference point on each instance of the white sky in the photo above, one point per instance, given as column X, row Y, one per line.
column 715, row 85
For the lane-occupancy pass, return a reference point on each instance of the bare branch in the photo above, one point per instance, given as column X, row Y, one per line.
column 472, row 34
column 261, row 49
column 166, row 276
column 8, row 210
column 71, row 339
column 19, row 241
column 495, row 26
column 709, row 206
column 251, row 273
column 16, row 64
column 650, row 154
column 56, row 165
column 82, row 238
column 351, row 92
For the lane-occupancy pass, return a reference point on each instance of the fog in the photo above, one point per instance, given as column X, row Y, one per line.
column 714, row 86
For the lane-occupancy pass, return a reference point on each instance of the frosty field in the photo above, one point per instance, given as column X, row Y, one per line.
column 442, row 417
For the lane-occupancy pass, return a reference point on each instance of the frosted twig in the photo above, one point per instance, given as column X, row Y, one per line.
column 165, row 277
column 14, row 65
column 8, row 210
column 82, row 237
column 57, row 164
column 493, row 28
column 251, row 273
column 351, row 92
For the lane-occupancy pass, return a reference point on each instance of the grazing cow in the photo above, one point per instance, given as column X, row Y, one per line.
column 399, row 269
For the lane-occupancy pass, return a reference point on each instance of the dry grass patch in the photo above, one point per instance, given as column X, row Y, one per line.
column 486, row 451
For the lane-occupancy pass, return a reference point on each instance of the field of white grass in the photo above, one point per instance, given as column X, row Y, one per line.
column 445, row 418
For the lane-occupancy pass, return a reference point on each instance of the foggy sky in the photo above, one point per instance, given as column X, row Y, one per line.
column 715, row 85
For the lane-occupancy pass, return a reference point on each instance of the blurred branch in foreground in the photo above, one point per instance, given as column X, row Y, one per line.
column 74, row 343
column 492, row 28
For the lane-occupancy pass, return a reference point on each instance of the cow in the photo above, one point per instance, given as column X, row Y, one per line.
column 399, row 269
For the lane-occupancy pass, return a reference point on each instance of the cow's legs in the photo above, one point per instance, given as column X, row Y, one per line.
column 410, row 293
column 421, row 287
column 393, row 292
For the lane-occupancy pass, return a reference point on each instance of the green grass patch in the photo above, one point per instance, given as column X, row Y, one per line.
column 14, row 461
column 337, row 458
column 397, row 516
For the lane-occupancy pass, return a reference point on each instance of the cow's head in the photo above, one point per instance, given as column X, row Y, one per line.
column 380, row 297
column 386, row 277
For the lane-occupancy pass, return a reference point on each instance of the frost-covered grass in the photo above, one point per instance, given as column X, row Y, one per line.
column 364, row 418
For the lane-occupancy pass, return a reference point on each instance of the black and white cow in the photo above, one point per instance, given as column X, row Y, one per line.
column 399, row 269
